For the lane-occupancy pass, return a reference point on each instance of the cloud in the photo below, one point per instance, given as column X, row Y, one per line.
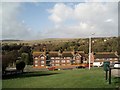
column 108, row 20
column 19, row 0
column 85, row 18
column 59, row 17
column 70, row 20
column 11, row 27
column 102, row 0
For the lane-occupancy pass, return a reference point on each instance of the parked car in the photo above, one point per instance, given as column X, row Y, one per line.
column 117, row 65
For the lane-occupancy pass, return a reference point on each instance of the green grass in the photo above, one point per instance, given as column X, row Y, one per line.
column 80, row 78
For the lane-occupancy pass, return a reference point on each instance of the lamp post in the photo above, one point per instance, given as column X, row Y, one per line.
column 90, row 49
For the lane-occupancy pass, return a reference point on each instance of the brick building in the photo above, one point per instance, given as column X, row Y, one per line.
column 54, row 58
column 106, row 56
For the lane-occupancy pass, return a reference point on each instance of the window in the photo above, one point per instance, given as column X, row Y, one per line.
column 36, row 61
column 36, row 57
column 111, row 58
column 52, row 64
column 42, row 62
column 57, row 61
column 42, row 65
column 57, row 64
column 63, row 61
column 57, row 57
column 78, row 61
column 116, row 59
column 68, row 57
column 52, row 57
column 68, row 61
column 42, row 58
column 53, row 61
column 36, row 65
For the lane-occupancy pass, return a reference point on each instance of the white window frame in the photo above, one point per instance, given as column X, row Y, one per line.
column 42, row 62
column 36, row 57
column 116, row 59
column 68, row 61
column 57, row 64
column 57, row 61
column 36, row 61
column 110, row 58
column 63, row 61
column 52, row 57
column 42, row 65
column 42, row 58
column 68, row 57
column 57, row 58
column 36, row 65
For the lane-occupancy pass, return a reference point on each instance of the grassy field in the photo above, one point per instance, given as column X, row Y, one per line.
column 80, row 78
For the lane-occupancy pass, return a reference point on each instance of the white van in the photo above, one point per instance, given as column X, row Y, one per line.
column 98, row 64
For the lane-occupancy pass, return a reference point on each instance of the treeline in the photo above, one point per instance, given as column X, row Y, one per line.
column 98, row 45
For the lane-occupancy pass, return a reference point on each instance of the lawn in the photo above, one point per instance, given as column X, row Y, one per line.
column 79, row 78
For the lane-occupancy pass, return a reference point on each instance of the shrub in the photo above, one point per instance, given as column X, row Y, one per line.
column 20, row 65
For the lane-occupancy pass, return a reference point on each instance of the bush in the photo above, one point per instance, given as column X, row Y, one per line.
column 20, row 65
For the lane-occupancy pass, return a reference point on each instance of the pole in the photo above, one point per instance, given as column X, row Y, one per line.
column 89, row 51
column 109, row 75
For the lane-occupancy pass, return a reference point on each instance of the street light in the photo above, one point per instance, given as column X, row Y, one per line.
column 90, row 49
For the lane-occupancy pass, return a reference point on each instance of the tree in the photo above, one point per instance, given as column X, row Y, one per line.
column 5, row 61
column 7, row 58
column 25, row 58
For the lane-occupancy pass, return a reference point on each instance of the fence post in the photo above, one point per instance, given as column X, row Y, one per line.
column 109, row 75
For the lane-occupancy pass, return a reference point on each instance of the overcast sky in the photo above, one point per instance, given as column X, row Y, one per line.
column 38, row 20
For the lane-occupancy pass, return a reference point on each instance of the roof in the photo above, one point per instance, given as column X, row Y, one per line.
column 106, row 55
column 67, row 54
column 53, row 54
column 36, row 54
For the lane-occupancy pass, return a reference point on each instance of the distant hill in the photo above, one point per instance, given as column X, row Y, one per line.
column 54, row 40
column 10, row 40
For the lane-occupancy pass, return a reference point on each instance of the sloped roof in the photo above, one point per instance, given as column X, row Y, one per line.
column 67, row 54
column 53, row 54
column 36, row 54
column 106, row 55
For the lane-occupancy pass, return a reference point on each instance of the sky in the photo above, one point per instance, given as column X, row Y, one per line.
column 38, row 20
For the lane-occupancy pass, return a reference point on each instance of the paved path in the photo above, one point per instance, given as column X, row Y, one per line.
column 115, row 72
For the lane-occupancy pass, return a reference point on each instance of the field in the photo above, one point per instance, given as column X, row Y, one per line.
column 79, row 78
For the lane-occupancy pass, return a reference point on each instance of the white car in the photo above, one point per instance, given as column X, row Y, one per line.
column 117, row 65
